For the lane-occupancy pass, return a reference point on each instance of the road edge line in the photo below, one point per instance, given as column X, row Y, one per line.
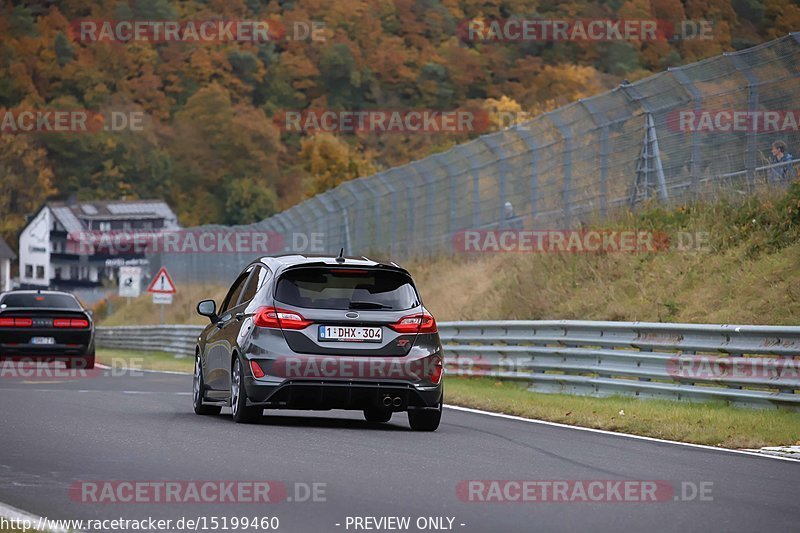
column 618, row 434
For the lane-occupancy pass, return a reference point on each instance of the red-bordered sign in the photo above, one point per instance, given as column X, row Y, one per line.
column 162, row 283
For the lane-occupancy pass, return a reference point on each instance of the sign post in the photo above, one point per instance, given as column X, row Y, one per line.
column 162, row 288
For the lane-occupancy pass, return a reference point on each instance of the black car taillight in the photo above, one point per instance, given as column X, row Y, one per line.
column 13, row 322
column 277, row 318
column 418, row 323
column 70, row 323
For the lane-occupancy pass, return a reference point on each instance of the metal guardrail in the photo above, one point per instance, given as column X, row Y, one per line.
column 745, row 365
column 178, row 340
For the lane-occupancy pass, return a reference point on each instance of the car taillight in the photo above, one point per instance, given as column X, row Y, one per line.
column 70, row 323
column 9, row 322
column 256, row 368
column 277, row 318
column 419, row 323
column 436, row 368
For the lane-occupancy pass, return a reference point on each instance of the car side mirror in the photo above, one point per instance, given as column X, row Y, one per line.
column 208, row 308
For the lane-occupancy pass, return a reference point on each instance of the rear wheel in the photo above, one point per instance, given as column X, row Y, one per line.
column 376, row 414
column 242, row 413
column 198, row 386
column 425, row 420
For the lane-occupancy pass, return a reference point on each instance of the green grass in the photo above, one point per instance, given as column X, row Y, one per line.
column 144, row 360
column 710, row 423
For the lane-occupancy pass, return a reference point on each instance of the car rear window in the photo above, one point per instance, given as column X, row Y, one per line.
column 53, row 301
column 347, row 288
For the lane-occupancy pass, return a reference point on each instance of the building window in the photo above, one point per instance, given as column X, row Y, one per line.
column 57, row 272
column 105, row 226
column 39, row 272
column 28, row 271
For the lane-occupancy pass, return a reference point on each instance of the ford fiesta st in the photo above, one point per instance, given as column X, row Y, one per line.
column 320, row 333
column 46, row 325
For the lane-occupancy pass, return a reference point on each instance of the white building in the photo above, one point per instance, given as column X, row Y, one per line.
column 53, row 249
column 6, row 256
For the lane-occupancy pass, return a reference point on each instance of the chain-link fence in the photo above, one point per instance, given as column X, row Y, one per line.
column 692, row 132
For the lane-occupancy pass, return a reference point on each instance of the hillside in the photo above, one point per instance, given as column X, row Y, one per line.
column 747, row 274
column 209, row 142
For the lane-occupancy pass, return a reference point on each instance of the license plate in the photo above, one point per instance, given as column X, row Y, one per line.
column 350, row 334
column 43, row 340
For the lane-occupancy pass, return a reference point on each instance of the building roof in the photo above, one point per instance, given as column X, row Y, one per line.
column 5, row 251
column 74, row 216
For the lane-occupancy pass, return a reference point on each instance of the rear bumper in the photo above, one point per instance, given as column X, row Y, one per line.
column 341, row 394
column 45, row 351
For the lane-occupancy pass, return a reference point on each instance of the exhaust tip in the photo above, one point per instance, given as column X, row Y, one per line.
column 397, row 401
column 387, row 401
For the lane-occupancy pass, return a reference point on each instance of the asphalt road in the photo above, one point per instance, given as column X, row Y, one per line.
column 56, row 433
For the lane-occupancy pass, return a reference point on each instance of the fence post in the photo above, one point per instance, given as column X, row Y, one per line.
column 476, row 182
column 426, row 188
column 566, row 191
column 452, row 186
column 392, row 211
column 697, row 105
column 752, row 106
column 498, row 151
column 524, row 131
column 602, row 122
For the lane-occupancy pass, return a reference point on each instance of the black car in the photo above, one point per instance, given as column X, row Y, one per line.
column 320, row 333
column 46, row 325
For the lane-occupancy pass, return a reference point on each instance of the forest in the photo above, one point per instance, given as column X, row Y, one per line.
column 211, row 142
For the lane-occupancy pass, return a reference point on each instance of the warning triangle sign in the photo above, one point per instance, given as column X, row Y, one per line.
column 162, row 283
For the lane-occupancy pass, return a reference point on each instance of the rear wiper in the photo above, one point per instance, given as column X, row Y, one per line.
column 368, row 305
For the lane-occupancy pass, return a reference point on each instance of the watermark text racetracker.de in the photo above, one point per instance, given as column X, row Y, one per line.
column 211, row 31
column 198, row 523
column 194, row 241
column 406, row 121
column 578, row 241
column 582, row 30
column 43, row 367
column 532, row 491
column 16, row 121
column 196, row 491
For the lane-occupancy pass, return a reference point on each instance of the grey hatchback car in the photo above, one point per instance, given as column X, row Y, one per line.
column 320, row 333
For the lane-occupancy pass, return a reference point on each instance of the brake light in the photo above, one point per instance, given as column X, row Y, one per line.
column 256, row 368
column 419, row 323
column 436, row 370
column 277, row 318
column 70, row 323
column 9, row 322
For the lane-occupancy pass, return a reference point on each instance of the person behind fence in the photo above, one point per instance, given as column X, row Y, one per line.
column 511, row 221
column 780, row 155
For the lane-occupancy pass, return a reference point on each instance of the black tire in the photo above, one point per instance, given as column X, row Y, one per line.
column 425, row 420
column 85, row 362
column 198, row 387
column 376, row 414
column 242, row 413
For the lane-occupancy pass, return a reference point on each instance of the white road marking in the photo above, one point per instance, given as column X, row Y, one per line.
column 613, row 433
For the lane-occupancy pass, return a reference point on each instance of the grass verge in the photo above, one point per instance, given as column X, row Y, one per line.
column 710, row 423
column 144, row 360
